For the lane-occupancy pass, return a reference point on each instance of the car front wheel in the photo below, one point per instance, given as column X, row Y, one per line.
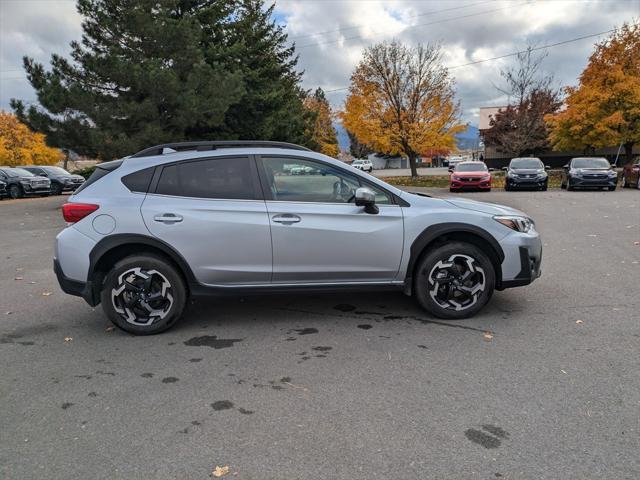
column 144, row 294
column 454, row 281
column 15, row 192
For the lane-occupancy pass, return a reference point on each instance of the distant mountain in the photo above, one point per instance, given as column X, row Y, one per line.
column 466, row 140
column 469, row 139
column 343, row 138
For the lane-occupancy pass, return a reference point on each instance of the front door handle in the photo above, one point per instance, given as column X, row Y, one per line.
column 286, row 219
column 168, row 218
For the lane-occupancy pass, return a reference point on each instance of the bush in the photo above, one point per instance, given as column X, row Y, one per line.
column 85, row 172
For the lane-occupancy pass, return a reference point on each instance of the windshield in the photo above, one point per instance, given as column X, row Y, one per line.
column 590, row 163
column 18, row 172
column 56, row 170
column 533, row 163
column 471, row 167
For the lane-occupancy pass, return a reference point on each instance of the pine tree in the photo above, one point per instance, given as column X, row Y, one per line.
column 148, row 72
column 272, row 105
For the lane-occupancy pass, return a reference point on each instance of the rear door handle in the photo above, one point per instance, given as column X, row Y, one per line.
column 168, row 218
column 286, row 218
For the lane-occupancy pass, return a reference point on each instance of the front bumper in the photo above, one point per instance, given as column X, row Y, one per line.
column 523, row 260
column 29, row 189
column 528, row 182
column 470, row 185
column 586, row 182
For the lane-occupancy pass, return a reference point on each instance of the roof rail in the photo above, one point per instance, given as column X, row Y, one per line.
column 214, row 145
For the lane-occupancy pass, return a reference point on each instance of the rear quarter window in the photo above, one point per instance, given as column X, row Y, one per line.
column 139, row 181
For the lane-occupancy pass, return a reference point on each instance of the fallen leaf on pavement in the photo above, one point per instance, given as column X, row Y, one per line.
column 9, row 312
column 19, row 269
column 46, row 294
column 487, row 336
column 579, row 322
column 109, row 329
column 220, row 471
column 68, row 339
column 18, row 278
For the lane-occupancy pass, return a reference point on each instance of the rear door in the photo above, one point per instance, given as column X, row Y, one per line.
column 319, row 235
column 212, row 212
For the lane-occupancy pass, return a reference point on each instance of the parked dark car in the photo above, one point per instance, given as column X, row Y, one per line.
column 61, row 180
column 526, row 172
column 589, row 172
column 631, row 174
column 3, row 189
column 22, row 183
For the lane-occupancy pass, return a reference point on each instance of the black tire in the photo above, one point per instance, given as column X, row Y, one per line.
column 569, row 187
column 454, row 257
column 452, row 190
column 545, row 187
column 56, row 189
column 170, row 302
column 612, row 189
column 15, row 192
column 507, row 188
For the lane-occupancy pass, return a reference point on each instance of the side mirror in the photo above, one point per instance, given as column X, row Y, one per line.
column 367, row 199
column 450, row 169
column 492, row 169
column 504, row 169
column 566, row 167
column 547, row 167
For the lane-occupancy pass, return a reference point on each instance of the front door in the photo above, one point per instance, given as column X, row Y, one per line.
column 213, row 213
column 318, row 233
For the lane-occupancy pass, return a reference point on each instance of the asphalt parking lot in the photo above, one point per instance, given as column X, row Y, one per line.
column 543, row 384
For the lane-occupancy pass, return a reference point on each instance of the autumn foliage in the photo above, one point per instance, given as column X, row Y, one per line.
column 401, row 101
column 604, row 109
column 320, row 131
column 21, row 146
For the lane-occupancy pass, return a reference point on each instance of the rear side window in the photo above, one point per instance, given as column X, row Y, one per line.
column 139, row 181
column 228, row 178
column 100, row 171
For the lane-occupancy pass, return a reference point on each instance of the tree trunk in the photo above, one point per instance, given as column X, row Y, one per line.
column 628, row 152
column 412, row 163
column 66, row 158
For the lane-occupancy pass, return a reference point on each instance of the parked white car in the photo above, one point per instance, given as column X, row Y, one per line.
column 364, row 165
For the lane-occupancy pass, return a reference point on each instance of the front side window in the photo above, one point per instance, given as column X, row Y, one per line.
column 297, row 180
column 225, row 178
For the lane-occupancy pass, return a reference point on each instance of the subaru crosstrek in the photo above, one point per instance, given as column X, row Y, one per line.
column 183, row 220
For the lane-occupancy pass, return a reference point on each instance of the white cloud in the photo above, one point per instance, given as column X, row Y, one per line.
column 331, row 35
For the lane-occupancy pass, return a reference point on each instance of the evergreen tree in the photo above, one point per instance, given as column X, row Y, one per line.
column 272, row 105
column 357, row 149
column 148, row 72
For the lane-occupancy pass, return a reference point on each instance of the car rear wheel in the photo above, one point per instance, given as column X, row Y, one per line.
column 15, row 192
column 611, row 189
column 56, row 189
column 454, row 281
column 143, row 294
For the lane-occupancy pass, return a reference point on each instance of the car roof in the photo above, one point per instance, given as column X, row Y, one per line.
column 472, row 162
column 526, row 158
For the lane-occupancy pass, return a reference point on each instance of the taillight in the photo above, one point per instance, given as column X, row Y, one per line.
column 74, row 212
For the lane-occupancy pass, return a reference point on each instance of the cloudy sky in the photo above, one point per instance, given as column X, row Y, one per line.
column 330, row 36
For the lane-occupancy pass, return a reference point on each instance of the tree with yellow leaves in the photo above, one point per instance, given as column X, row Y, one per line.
column 21, row 146
column 320, row 130
column 402, row 101
column 604, row 109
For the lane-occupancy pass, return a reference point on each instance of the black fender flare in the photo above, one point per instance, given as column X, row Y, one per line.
column 108, row 244
column 433, row 232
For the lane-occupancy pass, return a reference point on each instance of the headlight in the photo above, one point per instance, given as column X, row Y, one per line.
column 516, row 222
column 613, row 174
column 577, row 173
column 542, row 175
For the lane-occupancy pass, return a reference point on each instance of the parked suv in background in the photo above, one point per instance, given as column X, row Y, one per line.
column 3, row 189
column 209, row 218
column 364, row 165
column 61, row 180
column 589, row 172
column 21, row 183
column 526, row 172
column 631, row 174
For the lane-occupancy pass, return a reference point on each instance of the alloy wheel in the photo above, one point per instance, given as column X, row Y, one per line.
column 456, row 283
column 142, row 297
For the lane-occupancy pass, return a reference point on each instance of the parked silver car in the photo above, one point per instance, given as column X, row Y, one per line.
column 209, row 218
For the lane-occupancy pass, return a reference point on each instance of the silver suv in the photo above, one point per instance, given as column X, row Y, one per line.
column 183, row 220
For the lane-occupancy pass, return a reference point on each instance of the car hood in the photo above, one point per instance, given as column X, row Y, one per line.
column 31, row 179
column 470, row 174
column 72, row 177
column 591, row 170
column 488, row 208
